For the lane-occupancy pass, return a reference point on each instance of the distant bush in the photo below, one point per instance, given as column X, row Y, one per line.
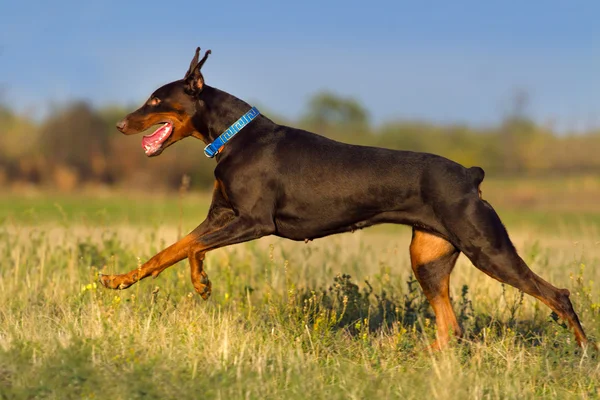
column 78, row 145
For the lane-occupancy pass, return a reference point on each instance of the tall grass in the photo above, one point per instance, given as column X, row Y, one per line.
column 340, row 317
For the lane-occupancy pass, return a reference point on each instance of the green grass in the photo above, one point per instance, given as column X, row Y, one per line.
column 340, row 317
column 93, row 209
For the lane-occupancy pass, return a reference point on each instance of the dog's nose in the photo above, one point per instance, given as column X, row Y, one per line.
column 122, row 124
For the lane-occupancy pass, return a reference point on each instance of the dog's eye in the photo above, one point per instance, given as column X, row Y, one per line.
column 154, row 101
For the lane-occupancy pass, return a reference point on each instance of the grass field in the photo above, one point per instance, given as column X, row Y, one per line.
column 339, row 317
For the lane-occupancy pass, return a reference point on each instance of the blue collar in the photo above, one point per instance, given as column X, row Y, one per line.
column 215, row 147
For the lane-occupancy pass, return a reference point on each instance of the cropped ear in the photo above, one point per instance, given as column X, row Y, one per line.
column 193, row 63
column 194, row 80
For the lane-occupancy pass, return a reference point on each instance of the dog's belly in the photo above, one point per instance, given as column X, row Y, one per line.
column 307, row 227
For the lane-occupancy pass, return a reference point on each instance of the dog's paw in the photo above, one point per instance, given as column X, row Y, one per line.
column 105, row 280
column 202, row 285
column 204, row 288
column 112, row 282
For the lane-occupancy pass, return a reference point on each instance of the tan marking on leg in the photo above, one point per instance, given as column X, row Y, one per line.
column 444, row 317
column 432, row 260
column 426, row 247
column 200, row 279
column 161, row 261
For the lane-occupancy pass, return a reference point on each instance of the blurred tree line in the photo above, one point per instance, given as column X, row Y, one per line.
column 77, row 146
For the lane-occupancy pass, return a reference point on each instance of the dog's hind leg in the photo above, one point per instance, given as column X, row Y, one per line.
column 433, row 259
column 479, row 234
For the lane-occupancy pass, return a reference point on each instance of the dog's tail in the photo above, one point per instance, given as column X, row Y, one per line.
column 476, row 174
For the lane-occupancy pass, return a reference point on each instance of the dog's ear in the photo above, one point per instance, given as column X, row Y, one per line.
column 193, row 63
column 194, row 80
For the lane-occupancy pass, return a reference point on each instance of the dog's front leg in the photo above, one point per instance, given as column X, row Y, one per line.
column 200, row 279
column 208, row 236
column 161, row 261
column 169, row 256
column 236, row 231
column 219, row 214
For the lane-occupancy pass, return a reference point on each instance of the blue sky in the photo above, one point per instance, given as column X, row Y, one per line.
column 450, row 61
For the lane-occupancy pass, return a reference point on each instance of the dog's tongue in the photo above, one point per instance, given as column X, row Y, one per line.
column 152, row 143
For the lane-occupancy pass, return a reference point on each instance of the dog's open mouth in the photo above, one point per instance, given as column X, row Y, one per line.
column 153, row 143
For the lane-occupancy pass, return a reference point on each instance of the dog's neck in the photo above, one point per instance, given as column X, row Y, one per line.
column 216, row 111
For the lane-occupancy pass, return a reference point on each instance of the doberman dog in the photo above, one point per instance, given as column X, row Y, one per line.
column 277, row 180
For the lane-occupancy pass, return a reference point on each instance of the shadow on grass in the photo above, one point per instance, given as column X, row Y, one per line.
column 345, row 306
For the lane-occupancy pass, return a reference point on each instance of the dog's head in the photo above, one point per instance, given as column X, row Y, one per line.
column 172, row 107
